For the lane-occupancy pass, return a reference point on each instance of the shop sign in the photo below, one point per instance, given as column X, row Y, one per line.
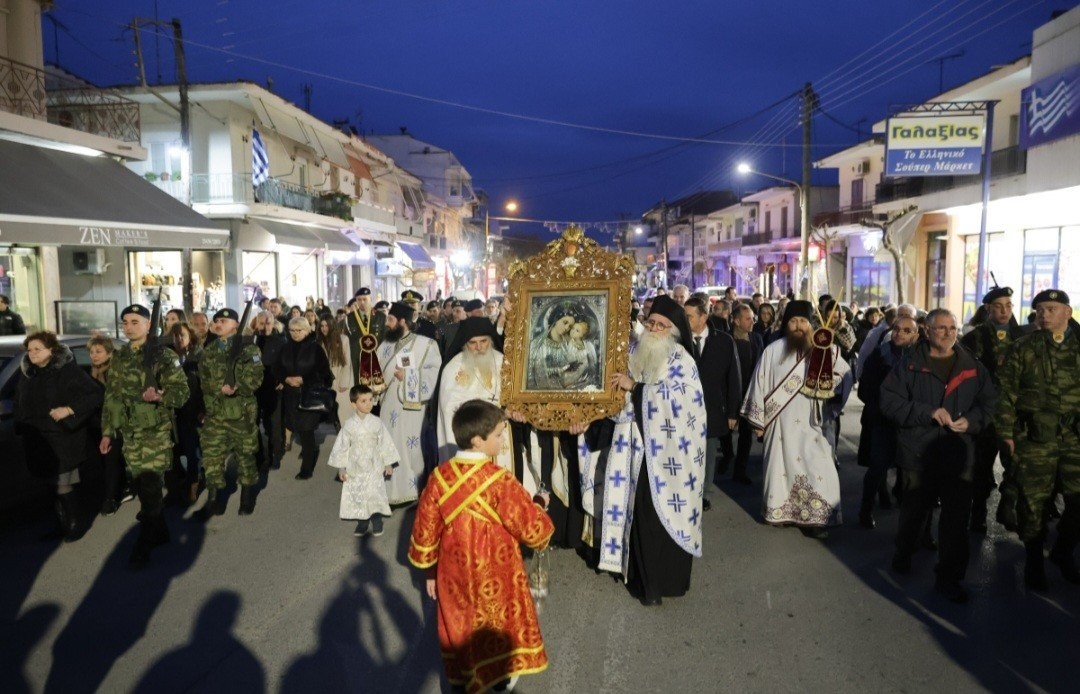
column 1050, row 108
column 949, row 145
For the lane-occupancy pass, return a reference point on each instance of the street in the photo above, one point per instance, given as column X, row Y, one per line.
column 288, row 600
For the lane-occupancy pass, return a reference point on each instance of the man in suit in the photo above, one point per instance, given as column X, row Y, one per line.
column 748, row 346
column 718, row 367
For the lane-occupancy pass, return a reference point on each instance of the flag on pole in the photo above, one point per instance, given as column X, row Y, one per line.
column 260, row 161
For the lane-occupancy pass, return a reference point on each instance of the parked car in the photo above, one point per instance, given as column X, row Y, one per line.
column 14, row 479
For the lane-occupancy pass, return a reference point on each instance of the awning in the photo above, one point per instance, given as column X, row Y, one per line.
column 359, row 168
column 58, row 198
column 294, row 128
column 306, row 236
column 417, row 256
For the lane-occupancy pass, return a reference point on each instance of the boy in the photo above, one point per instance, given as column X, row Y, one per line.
column 470, row 519
column 366, row 455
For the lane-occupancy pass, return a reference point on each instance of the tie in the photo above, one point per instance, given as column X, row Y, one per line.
column 697, row 347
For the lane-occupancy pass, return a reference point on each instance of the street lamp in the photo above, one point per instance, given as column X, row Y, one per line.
column 804, row 222
column 511, row 206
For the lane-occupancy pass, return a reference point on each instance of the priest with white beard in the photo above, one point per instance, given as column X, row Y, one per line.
column 793, row 391
column 471, row 374
column 410, row 366
column 643, row 470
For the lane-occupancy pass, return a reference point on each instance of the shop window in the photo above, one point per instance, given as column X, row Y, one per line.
column 871, row 281
column 20, row 281
column 150, row 271
column 259, row 271
column 936, row 270
column 971, row 268
column 1041, row 248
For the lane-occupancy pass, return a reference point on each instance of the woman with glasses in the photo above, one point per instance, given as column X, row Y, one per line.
column 302, row 365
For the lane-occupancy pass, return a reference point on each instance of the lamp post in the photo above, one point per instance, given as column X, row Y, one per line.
column 511, row 207
column 804, row 224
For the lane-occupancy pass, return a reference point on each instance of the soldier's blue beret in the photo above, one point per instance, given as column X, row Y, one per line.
column 997, row 293
column 1050, row 295
column 137, row 309
column 227, row 313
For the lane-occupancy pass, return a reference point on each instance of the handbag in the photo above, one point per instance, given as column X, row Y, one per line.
column 316, row 399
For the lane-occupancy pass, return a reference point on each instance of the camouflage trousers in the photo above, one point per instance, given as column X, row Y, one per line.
column 221, row 438
column 148, row 450
column 1039, row 469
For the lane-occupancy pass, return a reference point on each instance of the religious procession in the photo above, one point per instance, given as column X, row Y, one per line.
column 568, row 415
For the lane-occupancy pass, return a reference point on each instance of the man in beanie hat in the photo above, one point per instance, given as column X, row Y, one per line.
column 989, row 342
column 650, row 531
column 410, row 365
column 1038, row 418
column 786, row 404
column 229, row 382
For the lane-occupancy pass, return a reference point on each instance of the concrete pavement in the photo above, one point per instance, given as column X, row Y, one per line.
column 287, row 600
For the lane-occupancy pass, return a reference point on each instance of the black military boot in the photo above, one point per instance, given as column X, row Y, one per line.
column 1068, row 538
column 1034, row 566
column 214, row 506
column 247, row 500
column 67, row 512
column 152, row 529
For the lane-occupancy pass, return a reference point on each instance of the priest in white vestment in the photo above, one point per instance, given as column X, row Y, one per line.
column 473, row 373
column 793, row 391
column 643, row 470
column 410, row 367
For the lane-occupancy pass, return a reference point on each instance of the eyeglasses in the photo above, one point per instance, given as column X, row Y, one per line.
column 657, row 326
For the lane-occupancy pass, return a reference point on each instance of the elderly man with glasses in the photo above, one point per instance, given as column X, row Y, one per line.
column 939, row 399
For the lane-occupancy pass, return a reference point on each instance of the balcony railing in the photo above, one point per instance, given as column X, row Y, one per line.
column 178, row 188
column 758, row 239
column 1010, row 161
column 846, row 216
column 222, row 189
column 22, row 89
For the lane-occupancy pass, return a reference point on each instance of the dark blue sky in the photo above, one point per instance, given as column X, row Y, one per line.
column 681, row 68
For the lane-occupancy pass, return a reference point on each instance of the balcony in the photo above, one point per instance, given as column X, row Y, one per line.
column 758, row 239
column 847, row 216
column 222, row 189
column 22, row 89
column 1010, row 161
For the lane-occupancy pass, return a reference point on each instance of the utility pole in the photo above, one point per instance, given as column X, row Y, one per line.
column 181, row 77
column 693, row 254
column 808, row 106
column 663, row 222
column 138, row 52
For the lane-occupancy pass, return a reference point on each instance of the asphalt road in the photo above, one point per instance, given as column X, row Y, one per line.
column 287, row 600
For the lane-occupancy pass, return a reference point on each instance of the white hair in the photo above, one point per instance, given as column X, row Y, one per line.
column 907, row 310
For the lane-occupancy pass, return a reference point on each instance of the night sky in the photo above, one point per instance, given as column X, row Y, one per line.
column 680, row 68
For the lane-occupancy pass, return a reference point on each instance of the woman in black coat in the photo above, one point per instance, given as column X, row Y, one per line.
column 55, row 402
column 302, row 365
column 187, row 455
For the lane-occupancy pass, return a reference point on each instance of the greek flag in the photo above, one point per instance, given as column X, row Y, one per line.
column 260, row 161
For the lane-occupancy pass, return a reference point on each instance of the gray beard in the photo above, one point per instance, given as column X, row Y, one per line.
column 482, row 364
column 650, row 358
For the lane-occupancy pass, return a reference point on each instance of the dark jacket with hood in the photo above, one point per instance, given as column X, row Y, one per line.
column 54, row 447
column 912, row 392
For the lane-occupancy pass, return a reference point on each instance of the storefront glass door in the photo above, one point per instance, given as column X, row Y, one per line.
column 20, row 281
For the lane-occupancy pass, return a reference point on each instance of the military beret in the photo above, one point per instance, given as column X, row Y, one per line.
column 1050, row 295
column 473, row 305
column 227, row 313
column 362, row 291
column 997, row 293
column 457, row 304
column 137, row 309
column 410, row 295
column 382, row 304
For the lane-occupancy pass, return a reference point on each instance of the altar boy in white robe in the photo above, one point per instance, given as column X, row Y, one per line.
column 793, row 391
column 410, row 367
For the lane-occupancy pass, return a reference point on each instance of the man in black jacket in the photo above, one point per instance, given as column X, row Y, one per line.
column 938, row 400
column 11, row 323
column 989, row 342
column 748, row 346
column 718, row 368
column 880, row 434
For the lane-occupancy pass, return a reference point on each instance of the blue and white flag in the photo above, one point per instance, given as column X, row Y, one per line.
column 260, row 161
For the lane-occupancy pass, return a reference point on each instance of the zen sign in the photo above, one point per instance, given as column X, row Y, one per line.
column 944, row 145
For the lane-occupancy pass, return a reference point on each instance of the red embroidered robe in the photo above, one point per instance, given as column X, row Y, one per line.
column 471, row 516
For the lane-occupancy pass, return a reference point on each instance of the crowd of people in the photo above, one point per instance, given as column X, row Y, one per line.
column 413, row 391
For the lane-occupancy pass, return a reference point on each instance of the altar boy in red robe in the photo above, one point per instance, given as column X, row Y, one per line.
column 471, row 517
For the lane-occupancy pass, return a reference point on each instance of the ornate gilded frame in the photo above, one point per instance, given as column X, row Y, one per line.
column 571, row 265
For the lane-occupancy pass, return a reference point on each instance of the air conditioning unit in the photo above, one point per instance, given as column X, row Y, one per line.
column 88, row 262
column 862, row 168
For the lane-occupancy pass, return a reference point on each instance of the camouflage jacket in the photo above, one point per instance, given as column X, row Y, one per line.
column 214, row 367
column 989, row 345
column 1040, row 387
column 124, row 408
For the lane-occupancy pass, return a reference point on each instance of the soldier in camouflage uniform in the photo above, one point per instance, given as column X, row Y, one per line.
column 1038, row 415
column 138, row 408
column 230, row 427
column 989, row 343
